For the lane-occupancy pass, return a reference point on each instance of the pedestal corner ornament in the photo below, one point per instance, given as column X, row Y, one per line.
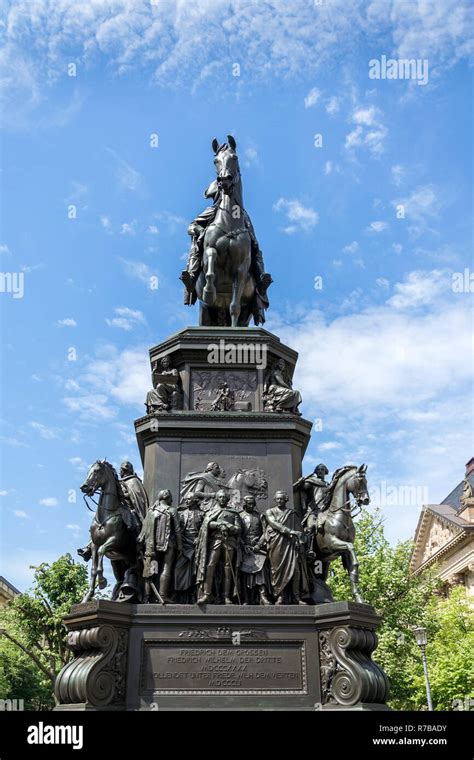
column 221, row 555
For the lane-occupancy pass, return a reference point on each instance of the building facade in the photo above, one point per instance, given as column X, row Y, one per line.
column 445, row 536
column 7, row 591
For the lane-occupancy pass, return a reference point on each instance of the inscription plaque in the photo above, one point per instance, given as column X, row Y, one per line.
column 215, row 668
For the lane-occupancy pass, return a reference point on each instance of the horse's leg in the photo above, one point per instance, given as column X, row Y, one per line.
column 351, row 564
column 118, row 568
column 205, row 319
column 91, row 589
column 238, row 283
column 209, row 293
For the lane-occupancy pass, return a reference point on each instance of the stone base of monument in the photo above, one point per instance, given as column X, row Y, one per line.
column 184, row 657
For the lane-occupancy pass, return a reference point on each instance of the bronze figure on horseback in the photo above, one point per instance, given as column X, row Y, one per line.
column 225, row 269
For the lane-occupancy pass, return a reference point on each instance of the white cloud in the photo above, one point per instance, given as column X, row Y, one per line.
column 109, row 379
column 300, row 217
column 251, row 157
column 397, row 247
column 328, row 167
column 421, row 205
column 171, row 42
column 351, row 248
column 365, row 116
column 369, row 132
column 128, row 228
column 126, row 176
column 5, row 249
column 126, row 319
column 382, row 283
column 73, row 526
column 392, row 399
column 3, row 493
column 20, row 513
column 332, row 105
column 78, row 463
column 50, row 501
column 420, row 289
column 153, row 229
column 67, row 322
column 174, row 222
column 138, row 270
column 90, row 406
column 437, row 31
column 377, row 227
column 398, row 174
column 44, row 431
column 312, row 97
column 106, row 223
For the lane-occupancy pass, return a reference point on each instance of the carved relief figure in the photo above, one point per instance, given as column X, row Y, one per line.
column 204, row 485
column 224, row 401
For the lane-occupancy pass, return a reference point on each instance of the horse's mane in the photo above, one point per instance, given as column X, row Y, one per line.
column 109, row 466
column 335, row 480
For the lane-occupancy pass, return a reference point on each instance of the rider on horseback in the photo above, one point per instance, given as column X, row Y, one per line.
column 197, row 230
column 313, row 489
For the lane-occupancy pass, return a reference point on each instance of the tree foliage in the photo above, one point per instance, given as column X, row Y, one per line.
column 33, row 638
column 406, row 601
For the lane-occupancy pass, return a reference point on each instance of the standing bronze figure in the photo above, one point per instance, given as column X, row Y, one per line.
column 161, row 540
column 225, row 267
column 285, row 541
column 313, row 489
column 219, row 544
column 191, row 517
column 254, row 568
column 133, row 491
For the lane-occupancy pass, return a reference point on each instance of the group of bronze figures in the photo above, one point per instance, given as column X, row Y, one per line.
column 216, row 546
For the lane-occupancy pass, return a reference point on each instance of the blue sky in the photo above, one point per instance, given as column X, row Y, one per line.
column 385, row 358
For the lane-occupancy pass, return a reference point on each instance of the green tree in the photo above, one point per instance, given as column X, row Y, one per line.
column 406, row 601
column 33, row 645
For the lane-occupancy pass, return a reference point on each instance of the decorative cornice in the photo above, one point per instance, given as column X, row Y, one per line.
column 445, row 549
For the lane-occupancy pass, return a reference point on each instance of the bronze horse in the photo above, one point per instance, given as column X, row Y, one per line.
column 111, row 530
column 336, row 532
column 226, row 287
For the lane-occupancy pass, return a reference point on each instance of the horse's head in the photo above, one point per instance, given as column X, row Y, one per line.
column 357, row 485
column 97, row 476
column 256, row 482
column 227, row 164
